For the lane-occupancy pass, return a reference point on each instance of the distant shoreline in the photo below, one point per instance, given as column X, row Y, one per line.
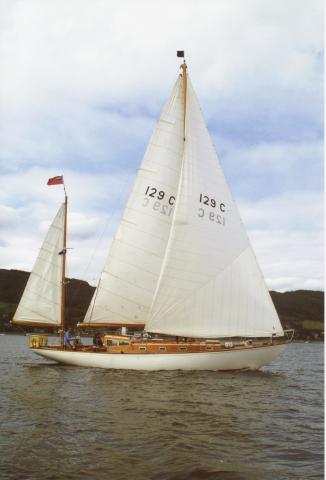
column 301, row 310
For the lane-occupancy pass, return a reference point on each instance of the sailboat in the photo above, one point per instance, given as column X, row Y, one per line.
column 181, row 284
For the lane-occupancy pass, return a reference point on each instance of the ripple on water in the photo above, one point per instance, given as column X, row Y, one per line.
column 71, row 423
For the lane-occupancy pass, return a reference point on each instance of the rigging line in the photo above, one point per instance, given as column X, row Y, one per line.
column 100, row 237
column 92, row 304
column 95, row 249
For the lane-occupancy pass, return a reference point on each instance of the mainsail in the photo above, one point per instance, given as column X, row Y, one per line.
column 41, row 300
column 129, row 278
column 181, row 262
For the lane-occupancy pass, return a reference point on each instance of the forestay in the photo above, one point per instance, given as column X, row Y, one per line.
column 41, row 300
column 129, row 278
column 210, row 284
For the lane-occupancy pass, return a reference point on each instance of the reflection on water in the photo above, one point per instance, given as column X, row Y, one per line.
column 62, row 422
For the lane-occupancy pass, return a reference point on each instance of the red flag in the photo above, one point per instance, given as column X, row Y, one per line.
column 55, row 180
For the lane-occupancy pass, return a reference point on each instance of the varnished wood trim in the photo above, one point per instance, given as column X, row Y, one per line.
column 132, row 326
column 35, row 324
column 148, row 348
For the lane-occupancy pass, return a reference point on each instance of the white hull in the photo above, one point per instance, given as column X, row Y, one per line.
column 247, row 358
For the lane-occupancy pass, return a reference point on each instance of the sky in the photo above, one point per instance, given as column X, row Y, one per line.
column 81, row 89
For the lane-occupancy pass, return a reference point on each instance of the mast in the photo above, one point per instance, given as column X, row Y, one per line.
column 184, row 88
column 63, row 274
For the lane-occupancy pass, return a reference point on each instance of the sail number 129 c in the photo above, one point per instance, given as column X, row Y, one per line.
column 213, row 216
column 159, row 201
column 159, row 194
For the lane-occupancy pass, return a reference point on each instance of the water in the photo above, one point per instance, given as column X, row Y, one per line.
column 59, row 422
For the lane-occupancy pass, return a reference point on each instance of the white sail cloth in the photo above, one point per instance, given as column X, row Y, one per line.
column 128, row 281
column 181, row 261
column 41, row 300
column 210, row 284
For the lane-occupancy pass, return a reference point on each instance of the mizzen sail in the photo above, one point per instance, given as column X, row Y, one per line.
column 41, row 301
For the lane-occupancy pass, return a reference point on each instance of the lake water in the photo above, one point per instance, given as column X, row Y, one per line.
column 59, row 422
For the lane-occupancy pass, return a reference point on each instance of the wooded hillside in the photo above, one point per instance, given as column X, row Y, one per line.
column 302, row 310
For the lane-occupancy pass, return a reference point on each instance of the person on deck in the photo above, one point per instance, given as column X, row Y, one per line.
column 68, row 338
column 97, row 340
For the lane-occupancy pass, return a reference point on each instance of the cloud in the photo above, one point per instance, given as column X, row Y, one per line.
column 95, row 203
column 83, row 84
column 270, row 167
column 7, row 216
column 296, row 210
column 286, row 232
column 290, row 261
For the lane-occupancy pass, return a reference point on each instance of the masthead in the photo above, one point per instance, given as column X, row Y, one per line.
column 181, row 54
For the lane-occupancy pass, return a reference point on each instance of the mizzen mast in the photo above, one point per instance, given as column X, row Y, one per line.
column 63, row 273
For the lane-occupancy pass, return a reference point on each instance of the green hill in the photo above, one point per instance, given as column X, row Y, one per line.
column 12, row 284
column 302, row 310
